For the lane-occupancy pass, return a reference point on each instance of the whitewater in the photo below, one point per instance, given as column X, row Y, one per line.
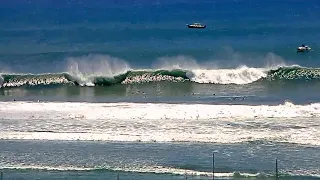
column 238, row 76
column 153, row 122
column 104, row 70
column 93, row 89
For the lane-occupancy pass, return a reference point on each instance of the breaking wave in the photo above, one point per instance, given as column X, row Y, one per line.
column 241, row 75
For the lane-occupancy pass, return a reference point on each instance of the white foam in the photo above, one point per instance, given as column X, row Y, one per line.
column 212, row 72
column 1, row 80
column 41, row 79
column 160, row 122
column 48, row 168
column 136, row 169
column 156, row 170
column 169, row 170
column 241, row 75
column 85, row 68
column 144, row 78
column 151, row 111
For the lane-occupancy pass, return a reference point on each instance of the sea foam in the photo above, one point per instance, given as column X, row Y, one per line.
column 160, row 122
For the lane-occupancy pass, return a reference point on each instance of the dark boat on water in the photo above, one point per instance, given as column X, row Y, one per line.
column 196, row 25
column 303, row 48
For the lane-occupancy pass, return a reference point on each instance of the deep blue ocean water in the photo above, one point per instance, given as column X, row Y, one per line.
column 92, row 89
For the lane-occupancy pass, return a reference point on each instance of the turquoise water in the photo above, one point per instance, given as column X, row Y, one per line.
column 93, row 89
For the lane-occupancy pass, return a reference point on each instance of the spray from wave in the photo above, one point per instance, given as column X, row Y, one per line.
column 101, row 70
column 85, row 70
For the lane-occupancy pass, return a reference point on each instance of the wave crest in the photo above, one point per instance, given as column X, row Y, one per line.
column 87, row 69
column 241, row 75
column 294, row 73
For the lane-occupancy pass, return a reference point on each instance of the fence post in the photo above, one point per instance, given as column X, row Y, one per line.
column 212, row 165
column 277, row 174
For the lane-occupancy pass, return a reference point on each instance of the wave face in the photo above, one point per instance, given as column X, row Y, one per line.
column 242, row 75
column 294, row 73
column 130, row 77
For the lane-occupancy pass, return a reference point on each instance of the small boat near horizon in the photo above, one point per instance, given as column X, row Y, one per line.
column 196, row 25
column 303, row 48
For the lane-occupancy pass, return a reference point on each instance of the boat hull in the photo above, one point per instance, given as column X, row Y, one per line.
column 197, row 27
column 301, row 49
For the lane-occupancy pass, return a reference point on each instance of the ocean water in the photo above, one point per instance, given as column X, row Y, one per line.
column 100, row 89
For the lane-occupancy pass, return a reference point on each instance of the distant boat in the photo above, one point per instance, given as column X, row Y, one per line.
column 196, row 25
column 303, row 48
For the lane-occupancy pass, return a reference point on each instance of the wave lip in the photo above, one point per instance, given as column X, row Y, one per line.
column 241, row 75
column 130, row 77
column 294, row 73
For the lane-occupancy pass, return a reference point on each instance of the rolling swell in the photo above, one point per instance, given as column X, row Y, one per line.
column 293, row 73
column 226, row 76
column 130, row 77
